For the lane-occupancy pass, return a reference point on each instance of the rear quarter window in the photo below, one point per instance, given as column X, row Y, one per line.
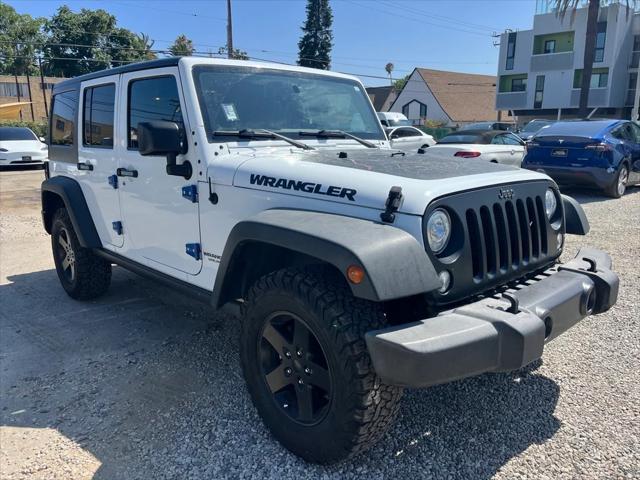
column 63, row 118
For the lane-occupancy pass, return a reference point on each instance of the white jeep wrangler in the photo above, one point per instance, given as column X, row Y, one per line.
column 359, row 270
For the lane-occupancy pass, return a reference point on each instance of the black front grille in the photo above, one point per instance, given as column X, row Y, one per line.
column 494, row 241
column 506, row 235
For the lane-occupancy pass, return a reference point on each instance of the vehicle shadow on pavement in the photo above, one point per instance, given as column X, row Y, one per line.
column 585, row 195
column 143, row 383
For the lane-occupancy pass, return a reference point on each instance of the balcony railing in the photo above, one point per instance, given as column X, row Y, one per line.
column 511, row 100
column 552, row 61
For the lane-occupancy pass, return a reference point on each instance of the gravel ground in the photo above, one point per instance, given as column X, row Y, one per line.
column 144, row 384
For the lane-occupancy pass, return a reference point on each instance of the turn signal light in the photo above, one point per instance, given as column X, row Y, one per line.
column 464, row 154
column 355, row 274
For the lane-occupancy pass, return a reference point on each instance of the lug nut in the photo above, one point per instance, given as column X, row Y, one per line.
column 288, row 371
column 300, row 381
column 299, row 353
column 287, row 354
column 307, row 370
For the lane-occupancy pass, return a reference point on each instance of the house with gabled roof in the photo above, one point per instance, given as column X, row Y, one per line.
column 452, row 98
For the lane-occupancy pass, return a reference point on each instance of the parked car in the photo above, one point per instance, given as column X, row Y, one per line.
column 356, row 271
column 502, row 126
column 393, row 119
column 409, row 139
column 492, row 145
column 533, row 127
column 604, row 154
column 20, row 146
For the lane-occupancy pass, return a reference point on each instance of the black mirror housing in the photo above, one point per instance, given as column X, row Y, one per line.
column 161, row 138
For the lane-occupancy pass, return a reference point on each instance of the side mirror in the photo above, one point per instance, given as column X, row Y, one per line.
column 42, row 139
column 164, row 138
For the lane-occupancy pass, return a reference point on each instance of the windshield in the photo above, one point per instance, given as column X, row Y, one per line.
column 239, row 98
column 462, row 138
column 535, row 125
column 399, row 123
column 16, row 133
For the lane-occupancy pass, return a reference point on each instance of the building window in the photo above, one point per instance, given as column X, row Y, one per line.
column 601, row 36
column 423, row 111
column 63, row 117
column 152, row 99
column 405, row 110
column 98, row 116
column 599, row 78
column 550, row 46
column 635, row 55
column 519, row 85
column 539, row 94
column 631, row 88
column 511, row 51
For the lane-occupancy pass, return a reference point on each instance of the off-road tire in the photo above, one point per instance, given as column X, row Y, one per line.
column 614, row 190
column 361, row 407
column 91, row 275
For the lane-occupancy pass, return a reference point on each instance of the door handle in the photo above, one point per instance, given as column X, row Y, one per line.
column 85, row 166
column 124, row 172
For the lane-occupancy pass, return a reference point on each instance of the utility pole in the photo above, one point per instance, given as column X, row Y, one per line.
column 229, row 31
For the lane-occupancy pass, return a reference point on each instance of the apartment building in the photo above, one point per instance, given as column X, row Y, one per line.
column 26, row 99
column 539, row 70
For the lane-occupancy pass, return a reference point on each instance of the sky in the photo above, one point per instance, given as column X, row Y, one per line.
column 451, row 35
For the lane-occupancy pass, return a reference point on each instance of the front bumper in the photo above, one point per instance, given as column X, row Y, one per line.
column 495, row 334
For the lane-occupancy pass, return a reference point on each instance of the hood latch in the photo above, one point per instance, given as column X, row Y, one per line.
column 392, row 204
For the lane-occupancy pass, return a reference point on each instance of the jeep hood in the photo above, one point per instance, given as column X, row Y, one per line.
column 364, row 177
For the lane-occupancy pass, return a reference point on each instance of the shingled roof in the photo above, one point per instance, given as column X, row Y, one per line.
column 465, row 97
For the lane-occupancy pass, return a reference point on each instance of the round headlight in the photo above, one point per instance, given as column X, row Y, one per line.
column 550, row 203
column 438, row 230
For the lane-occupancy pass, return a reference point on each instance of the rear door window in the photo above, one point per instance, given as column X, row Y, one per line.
column 98, row 116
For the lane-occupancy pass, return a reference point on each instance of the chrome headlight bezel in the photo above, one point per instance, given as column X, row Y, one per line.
column 438, row 240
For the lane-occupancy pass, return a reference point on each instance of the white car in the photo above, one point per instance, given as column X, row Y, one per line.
column 271, row 189
column 393, row 119
column 409, row 139
column 491, row 145
column 20, row 146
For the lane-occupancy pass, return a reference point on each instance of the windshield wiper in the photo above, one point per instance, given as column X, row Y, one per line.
column 261, row 133
column 337, row 134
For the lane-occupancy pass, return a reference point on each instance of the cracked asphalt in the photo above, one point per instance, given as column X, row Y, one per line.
column 143, row 383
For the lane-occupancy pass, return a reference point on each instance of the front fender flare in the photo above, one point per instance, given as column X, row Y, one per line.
column 395, row 263
column 576, row 222
column 70, row 192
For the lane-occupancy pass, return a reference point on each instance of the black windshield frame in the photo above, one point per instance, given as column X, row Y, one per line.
column 375, row 132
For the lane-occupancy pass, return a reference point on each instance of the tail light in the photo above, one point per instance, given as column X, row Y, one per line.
column 466, row 154
column 599, row 147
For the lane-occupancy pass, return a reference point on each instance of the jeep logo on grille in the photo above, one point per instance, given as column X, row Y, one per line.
column 505, row 194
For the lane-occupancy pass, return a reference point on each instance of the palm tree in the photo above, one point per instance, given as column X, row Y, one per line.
column 564, row 6
column 389, row 68
column 146, row 44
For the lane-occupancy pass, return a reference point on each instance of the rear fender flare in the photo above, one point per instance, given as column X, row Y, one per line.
column 65, row 190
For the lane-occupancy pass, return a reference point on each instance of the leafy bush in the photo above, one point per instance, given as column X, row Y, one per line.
column 39, row 128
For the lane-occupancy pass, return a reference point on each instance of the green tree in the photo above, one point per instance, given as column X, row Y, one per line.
column 88, row 41
column 146, row 44
column 389, row 68
column 182, row 47
column 20, row 38
column 314, row 48
column 401, row 82
column 237, row 54
column 562, row 8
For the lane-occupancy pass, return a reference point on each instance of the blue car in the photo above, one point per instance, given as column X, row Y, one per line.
column 600, row 153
